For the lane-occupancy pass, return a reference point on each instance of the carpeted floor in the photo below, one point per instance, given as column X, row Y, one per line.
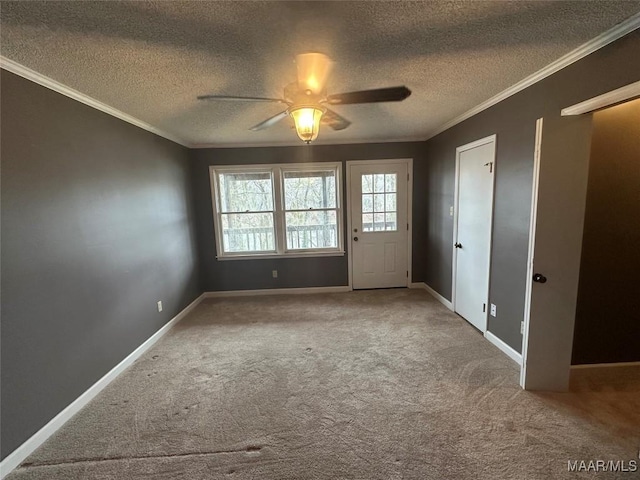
column 363, row 385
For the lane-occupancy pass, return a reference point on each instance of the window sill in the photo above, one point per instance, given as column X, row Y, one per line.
column 267, row 256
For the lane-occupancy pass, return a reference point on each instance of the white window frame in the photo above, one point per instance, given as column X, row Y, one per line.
column 277, row 175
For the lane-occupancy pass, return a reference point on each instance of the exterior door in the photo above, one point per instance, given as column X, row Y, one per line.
column 475, row 168
column 379, row 225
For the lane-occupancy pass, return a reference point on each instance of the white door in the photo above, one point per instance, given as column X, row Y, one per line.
column 475, row 168
column 558, row 207
column 379, row 225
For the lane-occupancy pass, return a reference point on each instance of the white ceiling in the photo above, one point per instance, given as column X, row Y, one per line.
column 151, row 59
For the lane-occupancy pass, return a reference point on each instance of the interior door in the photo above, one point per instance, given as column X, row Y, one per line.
column 475, row 169
column 558, row 207
column 379, row 225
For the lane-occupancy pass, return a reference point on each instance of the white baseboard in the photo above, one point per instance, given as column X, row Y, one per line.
column 510, row 352
column 16, row 457
column 605, row 365
column 433, row 293
column 276, row 291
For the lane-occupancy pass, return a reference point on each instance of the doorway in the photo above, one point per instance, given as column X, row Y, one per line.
column 473, row 215
column 559, row 199
column 379, row 200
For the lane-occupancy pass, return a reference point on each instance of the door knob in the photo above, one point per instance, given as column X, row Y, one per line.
column 457, row 245
column 538, row 277
column 355, row 239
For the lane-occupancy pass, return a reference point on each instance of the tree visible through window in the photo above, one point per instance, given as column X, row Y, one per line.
column 310, row 209
column 277, row 209
column 246, row 207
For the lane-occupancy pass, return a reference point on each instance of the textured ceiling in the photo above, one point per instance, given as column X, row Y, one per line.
column 151, row 59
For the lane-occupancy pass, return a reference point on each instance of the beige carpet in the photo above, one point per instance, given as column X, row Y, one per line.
column 363, row 385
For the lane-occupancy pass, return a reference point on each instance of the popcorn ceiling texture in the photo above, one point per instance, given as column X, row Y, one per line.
column 377, row 384
column 151, row 59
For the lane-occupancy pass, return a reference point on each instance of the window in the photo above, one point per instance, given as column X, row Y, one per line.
column 379, row 212
column 277, row 210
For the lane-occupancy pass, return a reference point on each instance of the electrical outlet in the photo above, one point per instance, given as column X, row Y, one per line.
column 493, row 310
column 274, row 273
column 160, row 306
column 451, row 211
column 522, row 328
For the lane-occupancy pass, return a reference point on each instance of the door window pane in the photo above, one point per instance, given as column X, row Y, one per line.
column 383, row 201
column 390, row 182
column 390, row 202
column 367, row 183
column 367, row 222
column 390, row 221
column 367, row 203
column 378, row 182
column 378, row 202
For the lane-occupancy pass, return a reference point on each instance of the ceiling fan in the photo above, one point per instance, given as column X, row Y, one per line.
column 307, row 98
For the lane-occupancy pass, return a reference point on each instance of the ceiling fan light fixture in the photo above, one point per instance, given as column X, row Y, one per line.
column 307, row 120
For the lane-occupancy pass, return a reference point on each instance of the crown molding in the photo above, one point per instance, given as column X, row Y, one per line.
column 605, row 100
column 611, row 35
column 25, row 72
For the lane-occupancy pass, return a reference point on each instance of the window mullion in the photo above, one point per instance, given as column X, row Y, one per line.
column 278, row 204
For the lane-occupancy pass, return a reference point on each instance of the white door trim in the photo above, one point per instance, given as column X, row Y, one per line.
column 619, row 95
column 456, row 191
column 409, row 163
column 532, row 245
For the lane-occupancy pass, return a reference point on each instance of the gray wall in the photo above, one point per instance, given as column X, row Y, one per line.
column 513, row 120
column 96, row 227
column 606, row 328
column 293, row 272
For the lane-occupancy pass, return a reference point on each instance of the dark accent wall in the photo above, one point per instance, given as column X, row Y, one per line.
column 513, row 120
column 607, row 327
column 97, row 226
column 294, row 272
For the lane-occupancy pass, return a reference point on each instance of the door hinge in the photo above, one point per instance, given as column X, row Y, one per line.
column 407, row 273
column 484, row 307
column 407, row 177
column 407, row 226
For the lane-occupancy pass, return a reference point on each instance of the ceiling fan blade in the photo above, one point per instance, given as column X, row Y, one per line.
column 391, row 94
column 240, row 99
column 313, row 71
column 334, row 121
column 270, row 121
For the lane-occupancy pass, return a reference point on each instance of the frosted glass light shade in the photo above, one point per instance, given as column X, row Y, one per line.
column 307, row 120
